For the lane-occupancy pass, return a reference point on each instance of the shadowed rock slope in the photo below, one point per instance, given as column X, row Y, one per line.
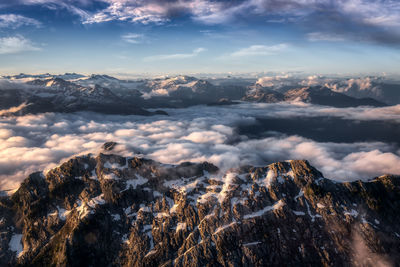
column 108, row 210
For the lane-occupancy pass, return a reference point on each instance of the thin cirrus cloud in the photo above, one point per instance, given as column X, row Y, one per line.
column 133, row 38
column 259, row 50
column 15, row 21
column 16, row 44
column 328, row 37
column 194, row 53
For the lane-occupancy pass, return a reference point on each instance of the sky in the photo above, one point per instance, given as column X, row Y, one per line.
column 199, row 36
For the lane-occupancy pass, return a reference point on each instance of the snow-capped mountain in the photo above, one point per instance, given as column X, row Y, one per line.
column 28, row 77
column 109, row 82
column 319, row 95
column 372, row 87
column 108, row 210
column 53, row 93
column 58, row 95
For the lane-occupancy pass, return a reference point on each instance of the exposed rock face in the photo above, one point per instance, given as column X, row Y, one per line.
column 114, row 211
column 263, row 95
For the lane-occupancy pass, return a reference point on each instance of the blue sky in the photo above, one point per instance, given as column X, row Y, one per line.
column 199, row 36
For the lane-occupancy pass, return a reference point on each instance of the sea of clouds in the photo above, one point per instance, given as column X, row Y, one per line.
column 201, row 133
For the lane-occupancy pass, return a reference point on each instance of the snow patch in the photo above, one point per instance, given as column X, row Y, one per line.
column 63, row 213
column 116, row 217
column 15, row 244
column 252, row 244
column 222, row 228
column 109, row 165
column 353, row 213
column 99, row 200
column 180, row 227
column 276, row 206
column 135, row 182
column 299, row 213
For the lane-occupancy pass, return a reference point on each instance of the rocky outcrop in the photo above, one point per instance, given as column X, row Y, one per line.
column 263, row 95
column 108, row 210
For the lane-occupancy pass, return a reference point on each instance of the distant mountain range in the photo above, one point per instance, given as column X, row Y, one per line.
column 319, row 95
column 108, row 210
column 70, row 92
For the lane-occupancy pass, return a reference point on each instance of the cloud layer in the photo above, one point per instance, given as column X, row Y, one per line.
column 32, row 143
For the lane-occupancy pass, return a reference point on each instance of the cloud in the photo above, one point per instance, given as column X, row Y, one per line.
column 134, row 11
column 194, row 53
column 133, row 38
column 328, row 37
column 16, row 44
column 15, row 21
column 270, row 81
column 259, row 50
column 36, row 142
column 76, row 7
column 359, row 20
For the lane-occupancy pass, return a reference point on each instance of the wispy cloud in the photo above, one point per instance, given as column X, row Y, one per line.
column 15, row 21
column 259, row 50
column 16, row 44
column 76, row 7
column 328, row 37
column 194, row 53
column 133, row 38
column 140, row 11
column 362, row 20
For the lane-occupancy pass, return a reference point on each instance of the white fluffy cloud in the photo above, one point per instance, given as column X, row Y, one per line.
column 32, row 143
column 16, row 44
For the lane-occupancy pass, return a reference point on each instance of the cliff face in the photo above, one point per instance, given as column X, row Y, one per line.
column 108, row 210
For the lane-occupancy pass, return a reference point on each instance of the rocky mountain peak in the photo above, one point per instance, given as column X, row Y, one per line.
column 107, row 209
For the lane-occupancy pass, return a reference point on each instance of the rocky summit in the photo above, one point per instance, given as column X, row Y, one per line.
column 109, row 210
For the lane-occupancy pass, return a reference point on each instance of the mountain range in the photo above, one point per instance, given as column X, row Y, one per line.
column 109, row 210
column 71, row 92
column 319, row 95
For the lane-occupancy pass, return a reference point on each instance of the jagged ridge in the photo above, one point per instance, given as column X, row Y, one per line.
column 112, row 210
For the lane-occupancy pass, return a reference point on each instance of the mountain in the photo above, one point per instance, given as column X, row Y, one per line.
column 28, row 76
column 184, row 91
column 324, row 96
column 65, row 76
column 384, row 91
column 106, row 94
column 319, row 95
column 58, row 95
column 263, row 95
column 108, row 210
column 117, row 86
